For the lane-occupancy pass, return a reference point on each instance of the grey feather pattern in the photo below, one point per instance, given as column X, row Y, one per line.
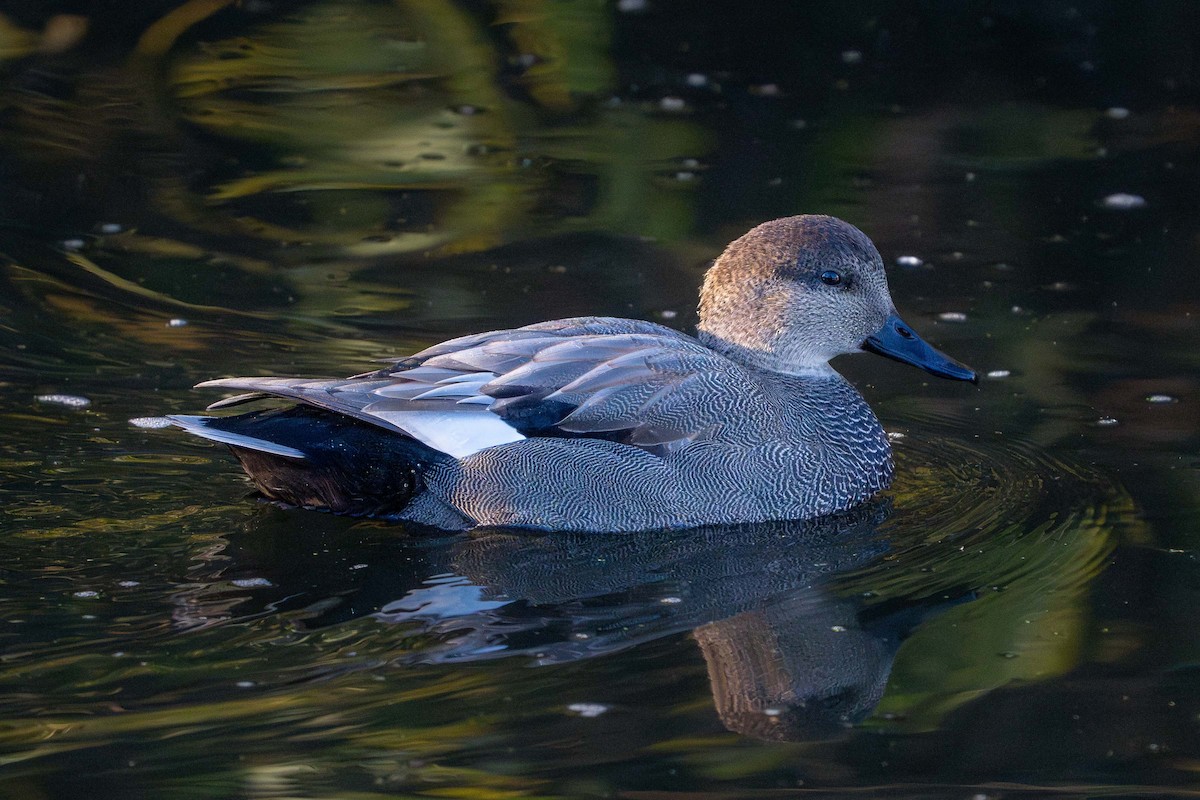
column 615, row 409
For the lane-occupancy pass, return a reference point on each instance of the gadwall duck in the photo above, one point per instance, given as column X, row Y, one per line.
column 607, row 424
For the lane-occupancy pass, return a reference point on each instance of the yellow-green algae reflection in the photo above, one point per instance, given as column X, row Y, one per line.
column 388, row 133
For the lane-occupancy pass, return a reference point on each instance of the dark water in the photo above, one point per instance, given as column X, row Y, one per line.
column 201, row 189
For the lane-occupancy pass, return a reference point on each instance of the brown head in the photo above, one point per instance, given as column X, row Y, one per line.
column 795, row 292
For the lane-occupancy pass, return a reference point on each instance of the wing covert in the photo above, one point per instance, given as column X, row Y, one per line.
column 624, row 380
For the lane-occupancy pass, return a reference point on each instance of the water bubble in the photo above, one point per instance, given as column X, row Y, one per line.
column 672, row 104
column 1117, row 112
column 697, row 79
column 72, row 245
column 359, row 566
column 85, row 594
column 589, row 710
column 1122, row 201
column 110, row 227
column 670, row 601
column 68, row 400
column 852, row 56
column 128, row 584
column 150, row 422
column 910, row 262
column 997, row 374
column 799, row 124
column 772, row 712
column 1107, row 421
column 667, row 313
column 838, row 628
column 245, row 684
column 249, row 583
column 952, row 316
column 177, row 322
column 1162, row 399
column 894, row 436
column 632, row 6
column 685, row 177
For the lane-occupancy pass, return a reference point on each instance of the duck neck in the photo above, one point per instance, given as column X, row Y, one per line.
column 764, row 359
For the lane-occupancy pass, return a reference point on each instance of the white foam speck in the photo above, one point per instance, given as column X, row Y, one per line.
column 177, row 322
column 248, row 583
column 952, row 316
column 72, row 245
column 631, row 6
column 999, row 373
column 1122, row 201
column 1106, row 421
column 697, row 79
column 128, row 584
column 852, row 56
column 1117, row 112
column 672, row 104
column 588, row 709
column 670, row 601
column 150, row 422
column 85, row 594
column 110, row 227
column 910, row 262
column 68, row 400
column 1161, row 399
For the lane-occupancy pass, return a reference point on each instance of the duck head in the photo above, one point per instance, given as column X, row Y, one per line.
column 795, row 292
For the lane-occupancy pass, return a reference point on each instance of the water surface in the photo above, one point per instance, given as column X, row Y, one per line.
column 195, row 190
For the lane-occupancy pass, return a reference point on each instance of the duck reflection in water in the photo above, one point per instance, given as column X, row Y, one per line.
column 789, row 656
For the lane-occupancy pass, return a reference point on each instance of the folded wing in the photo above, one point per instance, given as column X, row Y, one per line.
column 622, row 380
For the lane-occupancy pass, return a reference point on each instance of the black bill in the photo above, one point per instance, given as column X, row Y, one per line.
column 898, row 341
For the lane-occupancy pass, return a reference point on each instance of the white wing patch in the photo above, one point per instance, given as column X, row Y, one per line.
column 459, row 431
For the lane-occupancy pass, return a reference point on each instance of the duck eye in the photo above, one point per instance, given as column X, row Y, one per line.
column 831, row 278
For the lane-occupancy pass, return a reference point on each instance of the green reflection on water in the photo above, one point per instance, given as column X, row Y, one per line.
column 316, row 186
